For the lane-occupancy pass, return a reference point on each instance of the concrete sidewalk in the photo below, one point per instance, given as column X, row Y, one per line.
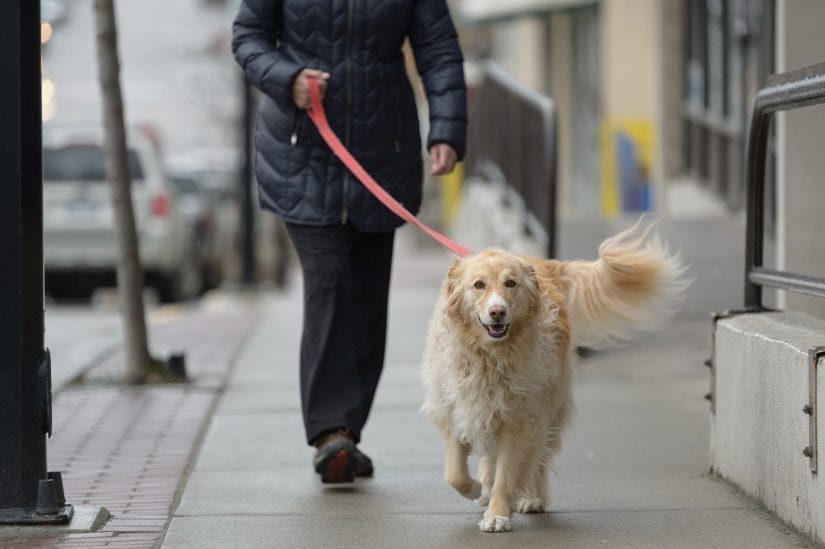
column 633, row 471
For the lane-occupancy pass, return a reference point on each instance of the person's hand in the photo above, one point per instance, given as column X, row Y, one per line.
column 300, row 89
column 442, row 159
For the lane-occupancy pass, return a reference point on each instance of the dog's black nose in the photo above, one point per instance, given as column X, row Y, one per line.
column 497, row 312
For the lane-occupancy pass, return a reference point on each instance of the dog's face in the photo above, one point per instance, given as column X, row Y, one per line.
column 492, row 292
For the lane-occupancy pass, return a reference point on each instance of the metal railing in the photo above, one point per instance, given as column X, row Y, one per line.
column 791, row 90
column 513, row 141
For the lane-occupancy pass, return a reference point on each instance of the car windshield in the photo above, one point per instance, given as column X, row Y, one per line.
column 185, row 185
column 81, row 163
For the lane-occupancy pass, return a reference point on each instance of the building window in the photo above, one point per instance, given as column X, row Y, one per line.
column 728, row 53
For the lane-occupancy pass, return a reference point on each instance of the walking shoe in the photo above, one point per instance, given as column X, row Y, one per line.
column 335, row 460
column 363, row 464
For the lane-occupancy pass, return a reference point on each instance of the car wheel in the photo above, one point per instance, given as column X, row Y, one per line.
column 184, row 283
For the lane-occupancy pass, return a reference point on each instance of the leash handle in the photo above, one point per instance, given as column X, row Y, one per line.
column 319, row 118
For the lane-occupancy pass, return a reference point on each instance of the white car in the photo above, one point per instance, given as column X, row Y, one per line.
column 78, row 219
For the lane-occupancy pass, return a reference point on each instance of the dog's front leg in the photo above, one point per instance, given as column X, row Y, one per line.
column 486, row 475
column 512, row 460
column 456, row 471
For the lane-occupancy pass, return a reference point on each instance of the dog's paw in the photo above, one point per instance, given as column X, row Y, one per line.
column 495, row 524
column 530, row 505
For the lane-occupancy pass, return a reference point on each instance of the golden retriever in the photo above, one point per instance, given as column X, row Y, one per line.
column 500, row 349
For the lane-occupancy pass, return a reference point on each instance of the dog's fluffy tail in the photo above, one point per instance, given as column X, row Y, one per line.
column 633, row 287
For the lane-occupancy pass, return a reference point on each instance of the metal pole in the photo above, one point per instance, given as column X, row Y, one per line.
column 755, row 185
column 552, row 146
column 247, row 205
column 27, row 496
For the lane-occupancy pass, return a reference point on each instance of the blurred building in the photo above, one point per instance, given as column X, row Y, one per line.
column 651, row 93
column 647, row 90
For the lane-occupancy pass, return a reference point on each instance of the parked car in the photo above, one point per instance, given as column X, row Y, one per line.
column 78, row 219
column 199, row 207
column 214, row 172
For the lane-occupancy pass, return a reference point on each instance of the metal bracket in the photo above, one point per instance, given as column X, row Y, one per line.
column 810, row 451
column 44, row 391
column 711, row 362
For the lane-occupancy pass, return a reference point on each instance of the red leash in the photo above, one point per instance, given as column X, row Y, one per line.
column 319, row 117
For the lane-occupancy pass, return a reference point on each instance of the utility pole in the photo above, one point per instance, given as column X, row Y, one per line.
column 28, row 494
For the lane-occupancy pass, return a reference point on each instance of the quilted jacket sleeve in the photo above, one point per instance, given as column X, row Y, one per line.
column 254, row 42
column 440, row 63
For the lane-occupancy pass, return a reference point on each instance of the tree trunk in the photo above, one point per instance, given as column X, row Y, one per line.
column 129, row 270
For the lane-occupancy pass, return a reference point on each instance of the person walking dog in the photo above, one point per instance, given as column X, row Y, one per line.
column 343, row 236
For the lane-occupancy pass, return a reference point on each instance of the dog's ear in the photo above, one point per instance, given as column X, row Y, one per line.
column 532, row 286
column 453, row 276
column 452, row 292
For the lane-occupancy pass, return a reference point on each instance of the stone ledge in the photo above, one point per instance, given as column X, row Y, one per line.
column 759, row 430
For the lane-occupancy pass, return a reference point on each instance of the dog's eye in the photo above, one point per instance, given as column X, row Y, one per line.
column 510, row 283
column 479, row 285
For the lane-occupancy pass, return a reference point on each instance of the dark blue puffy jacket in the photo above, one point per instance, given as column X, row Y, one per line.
column 369, row 102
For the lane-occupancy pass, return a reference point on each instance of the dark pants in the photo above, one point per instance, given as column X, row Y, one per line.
column 346, row 288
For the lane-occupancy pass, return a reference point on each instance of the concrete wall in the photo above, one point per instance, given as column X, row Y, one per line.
column 758, row 431
column 800, row 162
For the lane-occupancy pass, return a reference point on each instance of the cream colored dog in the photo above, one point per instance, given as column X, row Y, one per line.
column 500, row 349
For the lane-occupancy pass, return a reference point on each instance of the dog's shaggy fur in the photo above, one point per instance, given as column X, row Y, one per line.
column 500, row 349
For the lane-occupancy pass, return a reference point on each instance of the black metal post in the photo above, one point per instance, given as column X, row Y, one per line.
column 791, row 90
column 247, row 203
column 26, row 494
column 755, row 184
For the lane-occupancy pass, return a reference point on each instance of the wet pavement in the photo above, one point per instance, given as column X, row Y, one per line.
column 633, row 471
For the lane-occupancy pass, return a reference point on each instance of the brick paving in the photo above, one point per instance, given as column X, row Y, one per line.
column 128, row 448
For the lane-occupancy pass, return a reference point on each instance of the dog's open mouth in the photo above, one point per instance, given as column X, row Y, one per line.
column 496, row 331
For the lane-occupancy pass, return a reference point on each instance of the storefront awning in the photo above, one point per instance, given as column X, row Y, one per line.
column 480, row 11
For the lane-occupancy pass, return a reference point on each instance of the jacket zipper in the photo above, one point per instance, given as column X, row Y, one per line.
column 350, row 10
column 296, row 127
